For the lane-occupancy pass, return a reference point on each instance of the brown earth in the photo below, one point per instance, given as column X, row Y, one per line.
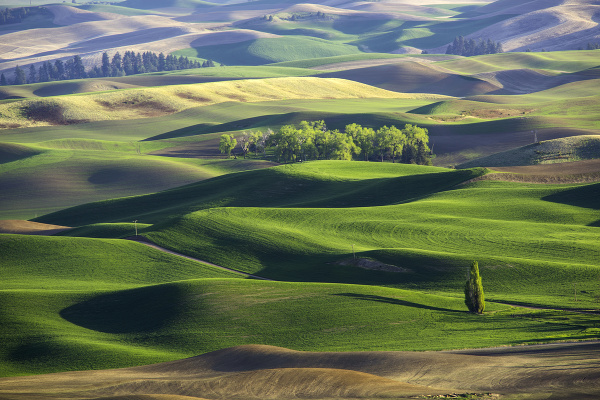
column 22, row 227
column 558, row 371
column 414, row 77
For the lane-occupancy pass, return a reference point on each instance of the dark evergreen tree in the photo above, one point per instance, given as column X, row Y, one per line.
column 59, row 70
column 106, row 69
column 32, row 74
column 138, row 65
column 409, row 155
column 422, row 156
column 78, row 68
column 127, row 63
column 162, row 62
column 42, row 76
column 3, row 81
column 20, row 77
column 474, row 298
column 116, row 65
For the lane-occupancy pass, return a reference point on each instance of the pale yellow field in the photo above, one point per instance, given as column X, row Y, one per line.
column 153, row 102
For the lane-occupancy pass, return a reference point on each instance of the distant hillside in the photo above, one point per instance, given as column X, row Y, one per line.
column 539, row 24
column 561, row 150
column 414, row 77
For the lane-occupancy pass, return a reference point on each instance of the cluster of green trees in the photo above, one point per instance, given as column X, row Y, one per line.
column 470, row 47
column 16, row 15
column 313, row 141
column 128, row 64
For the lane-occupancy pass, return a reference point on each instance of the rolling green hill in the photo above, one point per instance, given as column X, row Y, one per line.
column 269, row 50
column 412, row 217
column 85, row 303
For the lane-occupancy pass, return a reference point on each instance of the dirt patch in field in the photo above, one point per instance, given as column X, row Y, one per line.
column 193, row 97
column 21, row 227
column 494, row 113
column 146, row 108
column 50, row 112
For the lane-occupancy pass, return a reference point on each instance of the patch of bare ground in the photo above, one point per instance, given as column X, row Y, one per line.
column 556, row 371
column 145, row 107
column 17, row 226
column 586, row 171
column 494, row 113
column 48, row 111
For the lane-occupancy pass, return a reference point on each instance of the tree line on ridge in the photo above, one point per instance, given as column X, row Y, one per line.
column 129, row 64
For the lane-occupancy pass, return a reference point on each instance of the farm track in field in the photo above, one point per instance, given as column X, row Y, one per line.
column 143, row 240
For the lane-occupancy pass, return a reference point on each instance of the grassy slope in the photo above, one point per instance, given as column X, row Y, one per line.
column 567, row 61
column 53, row 330
column 269, row 50
column 153, row 102
column 61, row 173
column 536, row 228
column 188, row 76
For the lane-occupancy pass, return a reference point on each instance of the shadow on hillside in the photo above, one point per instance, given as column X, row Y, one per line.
column 397, row 302
column 587, row 196
column 140, row 310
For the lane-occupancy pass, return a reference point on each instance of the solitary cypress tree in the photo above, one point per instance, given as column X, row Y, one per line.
column 474, row 298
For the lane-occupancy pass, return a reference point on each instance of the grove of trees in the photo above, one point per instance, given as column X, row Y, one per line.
column 313, row 141
column 128, row 64
column 470, row 47
column 18, row 14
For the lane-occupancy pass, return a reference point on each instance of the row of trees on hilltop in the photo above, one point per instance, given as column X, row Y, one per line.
column 313, row 141
column 131, row 64
column 470, row 47
column 128, row 64
column 18, row 14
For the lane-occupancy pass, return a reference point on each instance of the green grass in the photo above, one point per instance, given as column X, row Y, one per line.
column 49, row 330
column 317, row 62
column 567, row 61
column 79, row 264
column 271, row 50
column 324, row 184
column 409, row 216
column 38, row 180
column 87, row 303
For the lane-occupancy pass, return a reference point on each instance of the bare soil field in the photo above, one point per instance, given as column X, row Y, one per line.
column 29, row 227
column 266, row 372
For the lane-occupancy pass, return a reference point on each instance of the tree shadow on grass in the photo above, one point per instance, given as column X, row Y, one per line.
column 397, row 302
